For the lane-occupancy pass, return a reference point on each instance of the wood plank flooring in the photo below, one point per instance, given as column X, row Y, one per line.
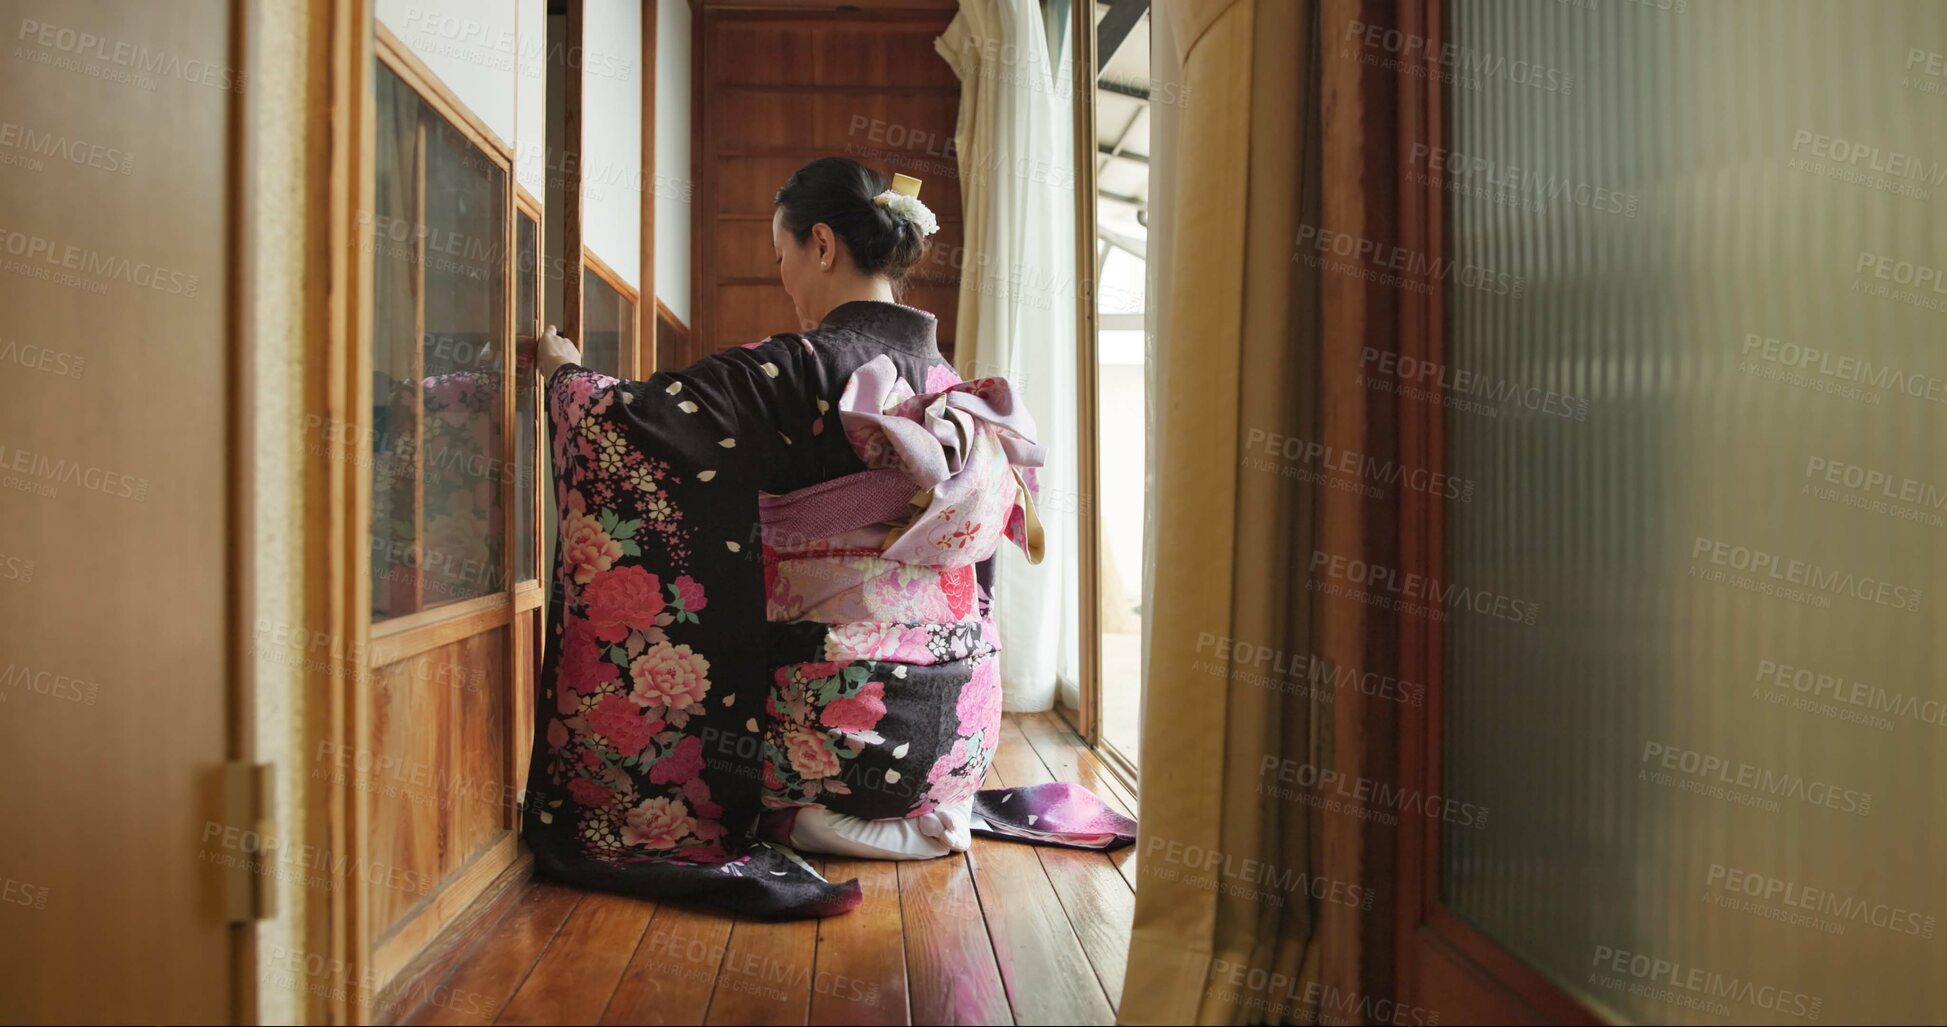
column 1005, row 934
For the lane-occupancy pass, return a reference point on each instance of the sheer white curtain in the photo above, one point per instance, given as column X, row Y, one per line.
column 1017, row 306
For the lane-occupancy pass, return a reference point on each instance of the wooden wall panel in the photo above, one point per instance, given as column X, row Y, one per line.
column 437, row 774
column 776, row 89
column 843, row 51
column 744, row 251
column 472, row 814
column 747, row 313
column 770, row 119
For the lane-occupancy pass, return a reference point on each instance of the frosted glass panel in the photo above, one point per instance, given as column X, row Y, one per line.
column 1696, row 362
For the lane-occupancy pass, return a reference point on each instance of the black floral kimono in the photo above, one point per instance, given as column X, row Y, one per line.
column 765, row 599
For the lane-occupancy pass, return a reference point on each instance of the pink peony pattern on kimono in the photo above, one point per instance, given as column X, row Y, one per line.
column 670, row 676
column 940, row 376
column 958, row 584
column 590, row 793
column 622, row 723
column 979, row 707
column 658, row 823
column 681, row 764
column 863, row 640
column 697, row 792
column 951, row 760
column 623, row 600
column 587, row 549
column 819, row 671
column 584, row 667
column 889, row 592
column 861, row 712
column 810, row 757
column 690, row 591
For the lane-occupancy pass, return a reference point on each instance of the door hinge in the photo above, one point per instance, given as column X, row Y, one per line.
column 245, row 844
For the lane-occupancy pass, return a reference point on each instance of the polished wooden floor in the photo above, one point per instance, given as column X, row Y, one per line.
column 1008, row 933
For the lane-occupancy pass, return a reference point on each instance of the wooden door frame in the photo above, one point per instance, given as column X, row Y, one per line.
column 338, row 593
column 1086, row 717
column 646, row 305
column 240, row 570
column 1088, row 463
column 572, row 244
column 1441, row 961
column 528, row 597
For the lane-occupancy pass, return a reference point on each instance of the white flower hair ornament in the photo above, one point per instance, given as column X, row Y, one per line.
column 903, row 201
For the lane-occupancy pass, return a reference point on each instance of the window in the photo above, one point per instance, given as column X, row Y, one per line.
column 672, row 342
column 439, row 335
column 1691, row 676
column 1121, row 147
column 608, row 322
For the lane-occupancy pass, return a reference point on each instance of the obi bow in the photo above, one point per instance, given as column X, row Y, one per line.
column 950, row 472
column 967, row 449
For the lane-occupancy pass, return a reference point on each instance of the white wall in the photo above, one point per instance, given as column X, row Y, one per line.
column 493, row 55
column 279, row 275
column 531, row 98
column 472, row 45
column 672, row 187
column 611, row 133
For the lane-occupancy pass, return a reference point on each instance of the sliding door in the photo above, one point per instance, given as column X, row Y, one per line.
column 124, row 477
column 530, row 607
column 1119, row 150
column 1682, row 365
column 451, row 521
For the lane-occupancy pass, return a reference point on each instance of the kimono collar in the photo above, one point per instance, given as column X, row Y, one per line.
column 894, row 324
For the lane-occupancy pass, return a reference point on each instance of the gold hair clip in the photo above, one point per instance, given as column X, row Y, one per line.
column 905, row 185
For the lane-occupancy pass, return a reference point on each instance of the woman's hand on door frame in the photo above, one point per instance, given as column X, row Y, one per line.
column 553, row 350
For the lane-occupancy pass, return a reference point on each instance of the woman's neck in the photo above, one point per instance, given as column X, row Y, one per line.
column 875, row 289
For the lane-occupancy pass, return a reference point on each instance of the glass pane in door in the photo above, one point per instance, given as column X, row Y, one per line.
column 438, row 338
column 608, row 324
column 1694, row 370
column 1121, row 246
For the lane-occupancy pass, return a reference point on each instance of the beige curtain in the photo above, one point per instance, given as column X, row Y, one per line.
column 1224, row 907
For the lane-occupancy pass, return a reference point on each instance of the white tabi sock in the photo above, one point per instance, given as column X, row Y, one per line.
column 927, row 836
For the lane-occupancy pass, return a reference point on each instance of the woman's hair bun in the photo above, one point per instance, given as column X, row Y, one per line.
column 839, row 192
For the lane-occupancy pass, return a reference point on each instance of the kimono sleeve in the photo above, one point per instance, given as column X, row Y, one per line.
column 741, row 414
column 647, row 743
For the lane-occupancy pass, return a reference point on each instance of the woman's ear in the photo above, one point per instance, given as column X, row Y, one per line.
column 825, row 244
